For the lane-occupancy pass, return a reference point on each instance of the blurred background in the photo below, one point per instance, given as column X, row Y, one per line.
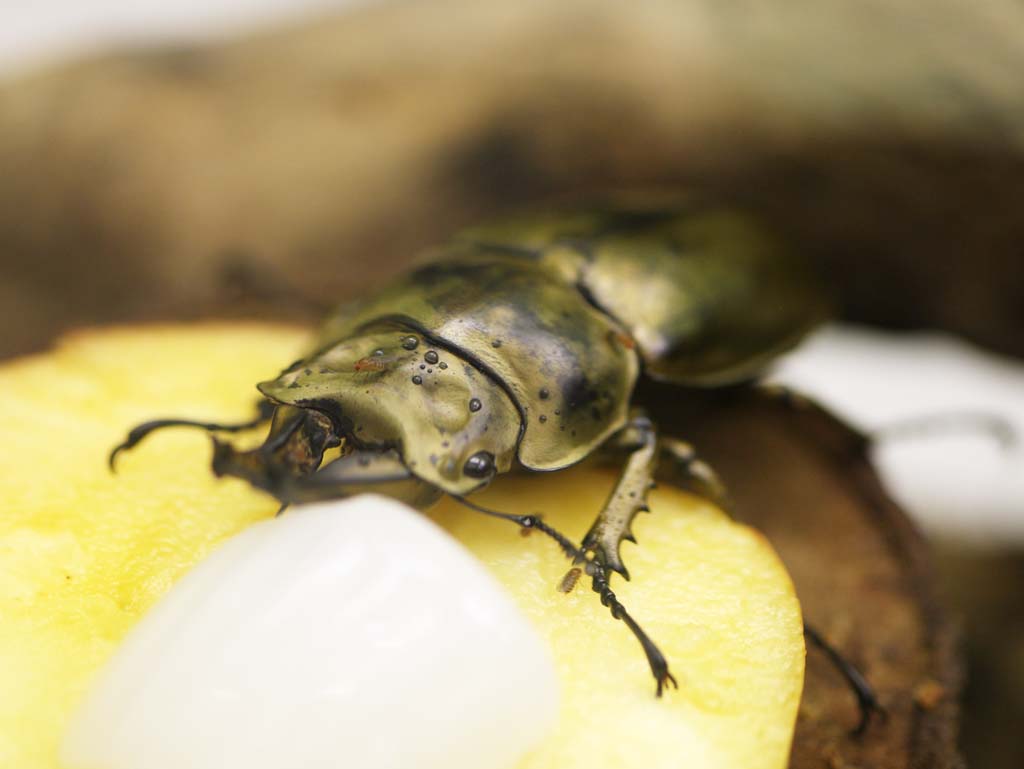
column 240, row 158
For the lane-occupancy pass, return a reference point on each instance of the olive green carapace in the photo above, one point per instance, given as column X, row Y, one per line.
column 708, row 295
column 384, row 387
column 520, row 343
column 568, row 367
column 562, row 311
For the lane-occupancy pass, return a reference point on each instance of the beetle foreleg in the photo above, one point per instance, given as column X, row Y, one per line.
column 657, row 661
column 600, row 551
column 629, row 497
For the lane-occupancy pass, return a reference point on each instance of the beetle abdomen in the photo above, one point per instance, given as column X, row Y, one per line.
column 708, row 294
column 710, row 297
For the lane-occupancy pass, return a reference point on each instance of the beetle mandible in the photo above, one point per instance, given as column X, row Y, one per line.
column 518, row 344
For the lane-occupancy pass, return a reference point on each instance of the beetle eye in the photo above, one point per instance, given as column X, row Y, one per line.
column 480, row 465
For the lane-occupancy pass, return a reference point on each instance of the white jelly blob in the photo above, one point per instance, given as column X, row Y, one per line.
column 344, row 634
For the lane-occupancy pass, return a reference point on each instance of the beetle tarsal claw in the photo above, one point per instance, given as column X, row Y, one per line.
column 600, row 552
column 664, row 680
column 656, row 660
column 598, row 573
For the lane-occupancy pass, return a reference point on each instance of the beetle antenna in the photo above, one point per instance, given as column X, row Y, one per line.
column 527, row 522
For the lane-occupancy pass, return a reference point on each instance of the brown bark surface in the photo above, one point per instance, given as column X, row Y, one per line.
column 861, row 570
column 883, row 137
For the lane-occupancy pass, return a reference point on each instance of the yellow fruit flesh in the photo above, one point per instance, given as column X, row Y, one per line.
column 84, row 553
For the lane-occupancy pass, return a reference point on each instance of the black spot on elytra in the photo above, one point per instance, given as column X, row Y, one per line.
column 579, row 393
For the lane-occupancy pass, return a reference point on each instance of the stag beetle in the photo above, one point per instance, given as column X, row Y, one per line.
column 518, row 344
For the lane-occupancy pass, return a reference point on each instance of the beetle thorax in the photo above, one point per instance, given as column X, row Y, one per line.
column 451, row 424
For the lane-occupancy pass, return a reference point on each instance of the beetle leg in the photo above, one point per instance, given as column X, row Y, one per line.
column 659, row 665
column 688, row 471
column 358, row 472
column 528, row 522
column 599, row 576
column 629, row 497
column 867, row 700
column 600, row 551
column 679, row 463
column 265, row 410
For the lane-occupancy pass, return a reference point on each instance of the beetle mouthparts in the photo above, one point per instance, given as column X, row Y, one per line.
column 294, row 447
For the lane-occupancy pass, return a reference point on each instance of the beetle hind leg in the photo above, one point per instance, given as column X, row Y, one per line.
column 867, row 700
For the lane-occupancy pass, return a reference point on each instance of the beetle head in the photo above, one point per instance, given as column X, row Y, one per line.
column 389, row 389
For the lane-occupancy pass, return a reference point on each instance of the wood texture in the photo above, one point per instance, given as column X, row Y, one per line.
column 861, row 570
column 884, row 138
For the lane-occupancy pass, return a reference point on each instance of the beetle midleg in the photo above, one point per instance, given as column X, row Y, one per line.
column 688, row 471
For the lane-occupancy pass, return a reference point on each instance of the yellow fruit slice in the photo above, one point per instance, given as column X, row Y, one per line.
column 84, row 553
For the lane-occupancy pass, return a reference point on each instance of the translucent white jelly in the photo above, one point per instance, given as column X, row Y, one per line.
column 344, row 634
